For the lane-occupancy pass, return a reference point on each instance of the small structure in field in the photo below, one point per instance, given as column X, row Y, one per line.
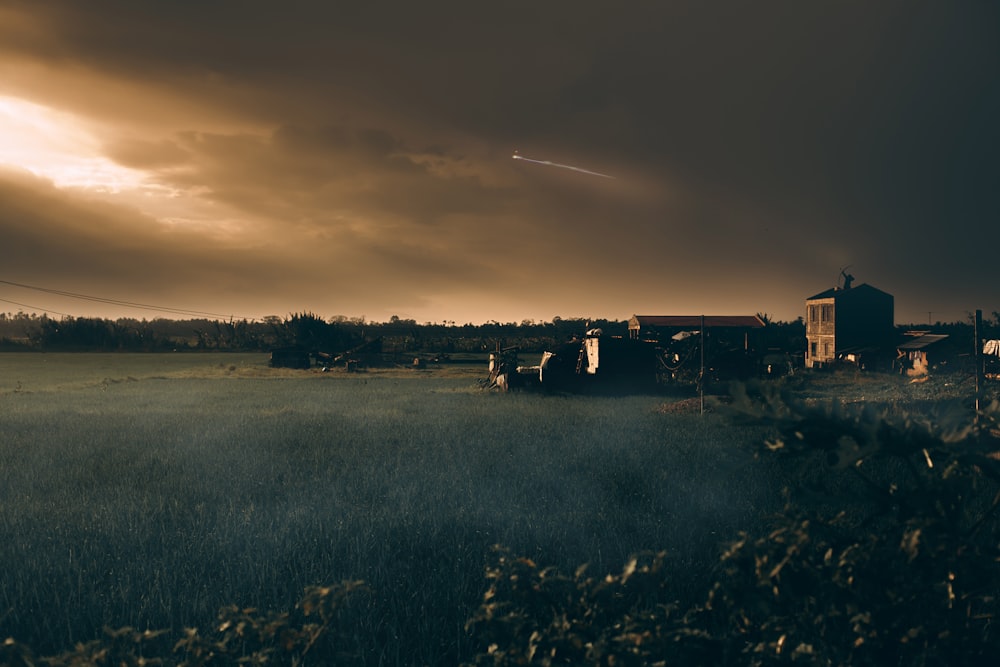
column 695, row 348
column 991, row 358
column 290, row 357
column 368, row 353
column 658, row 350
column 594, row 362
column 923, row 350
column 645, row 327
column 854, row 324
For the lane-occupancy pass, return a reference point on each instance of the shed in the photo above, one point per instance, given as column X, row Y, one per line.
column 290, row 357
column 641, row 325
column 991, row 358
column 920, row 353
column 727, row 348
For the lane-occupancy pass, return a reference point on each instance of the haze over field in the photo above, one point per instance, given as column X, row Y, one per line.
column 251, row 158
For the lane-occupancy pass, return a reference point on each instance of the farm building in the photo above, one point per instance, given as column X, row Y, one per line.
column 991, row 358
column 923, row 350
column 656, row 327
column 847, row 323
column 728, row 346
column 596, row 362
column 290, row 357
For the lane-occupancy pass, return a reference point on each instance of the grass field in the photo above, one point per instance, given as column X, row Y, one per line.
column 151, row 490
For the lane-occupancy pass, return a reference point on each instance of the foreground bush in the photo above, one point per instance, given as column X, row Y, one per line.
column 317, row 632
column 887, row 553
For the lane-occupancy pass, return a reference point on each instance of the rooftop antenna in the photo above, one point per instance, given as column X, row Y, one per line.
column 848, row 278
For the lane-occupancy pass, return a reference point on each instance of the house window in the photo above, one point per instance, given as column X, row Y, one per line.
column 826, row 350
column 812, row 349
column 812, row 313
column 827, row 313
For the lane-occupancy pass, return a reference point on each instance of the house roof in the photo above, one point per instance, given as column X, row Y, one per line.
column 921, row 342
column 836, row 292
column 687, row 321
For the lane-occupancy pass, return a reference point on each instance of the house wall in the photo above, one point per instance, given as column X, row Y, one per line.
column 852, row 318
column 821, row 332
column 864, row 319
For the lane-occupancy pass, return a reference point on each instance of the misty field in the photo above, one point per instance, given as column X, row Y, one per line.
column 152, row 490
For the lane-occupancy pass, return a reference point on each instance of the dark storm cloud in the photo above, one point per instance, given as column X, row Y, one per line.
column 331, row 175
column 90, row 241
column 864, row 111
column 759, row 147
column 95, row 248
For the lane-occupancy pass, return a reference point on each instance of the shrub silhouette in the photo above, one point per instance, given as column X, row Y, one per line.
column 316, row 632
column 885, row 553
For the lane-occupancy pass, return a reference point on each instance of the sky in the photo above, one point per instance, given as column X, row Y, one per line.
column 245, row 159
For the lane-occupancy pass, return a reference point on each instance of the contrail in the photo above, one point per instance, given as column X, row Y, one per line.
column 516, row 156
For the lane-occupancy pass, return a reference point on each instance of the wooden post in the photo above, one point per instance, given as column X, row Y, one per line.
column 978, row 356
column 701, row 384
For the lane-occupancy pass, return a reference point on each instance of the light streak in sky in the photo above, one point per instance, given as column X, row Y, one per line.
column 518, row 156
column 57, row 146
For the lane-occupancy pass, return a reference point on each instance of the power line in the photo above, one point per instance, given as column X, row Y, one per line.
column 44, row 310
column 114, row 302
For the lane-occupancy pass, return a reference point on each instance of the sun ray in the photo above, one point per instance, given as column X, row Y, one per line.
column 58, row 146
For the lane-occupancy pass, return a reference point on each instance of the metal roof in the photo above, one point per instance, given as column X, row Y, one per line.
column 837, row 292
column 921, row 342
column 688, row 321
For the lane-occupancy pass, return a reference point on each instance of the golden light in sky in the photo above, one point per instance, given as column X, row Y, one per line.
column 57, row 146
column 238, row 158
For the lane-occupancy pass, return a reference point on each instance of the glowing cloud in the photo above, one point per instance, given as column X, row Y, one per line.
column 57, row 146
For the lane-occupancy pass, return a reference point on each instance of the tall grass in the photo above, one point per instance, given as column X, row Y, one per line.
column 153, row 502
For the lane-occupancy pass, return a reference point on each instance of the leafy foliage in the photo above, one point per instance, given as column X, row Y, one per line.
column 312, row 333
column 540, row 616
column 885, row 553
column 314, row 634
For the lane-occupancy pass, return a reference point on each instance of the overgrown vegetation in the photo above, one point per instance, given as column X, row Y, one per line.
column 313, row 633
column 152, row 500
column 886, row 553
column 147, row 506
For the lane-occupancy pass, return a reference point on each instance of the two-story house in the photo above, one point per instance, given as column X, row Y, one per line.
column 848, row 323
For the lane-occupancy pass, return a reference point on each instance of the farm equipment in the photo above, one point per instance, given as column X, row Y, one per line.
column 593, row 362
column 597, row 362
column 366, row 354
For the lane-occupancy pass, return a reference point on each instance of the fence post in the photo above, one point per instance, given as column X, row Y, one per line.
column 978, row 356
column 701, row 391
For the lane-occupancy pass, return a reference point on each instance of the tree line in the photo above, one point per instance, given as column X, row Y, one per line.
column 22, row 331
